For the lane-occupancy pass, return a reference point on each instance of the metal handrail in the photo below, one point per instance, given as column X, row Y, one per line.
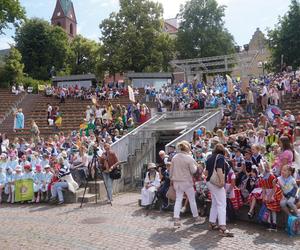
column 138, row 128
column 174, row 142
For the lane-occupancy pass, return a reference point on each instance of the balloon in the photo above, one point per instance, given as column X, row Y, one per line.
column 199, row 132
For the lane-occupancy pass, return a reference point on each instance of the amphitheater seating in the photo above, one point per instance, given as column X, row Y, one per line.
column 7, row 101
column 73, row 111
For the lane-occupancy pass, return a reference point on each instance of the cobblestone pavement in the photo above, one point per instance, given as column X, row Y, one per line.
column 123, row 226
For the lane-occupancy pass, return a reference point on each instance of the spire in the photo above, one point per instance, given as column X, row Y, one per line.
column 66, row 6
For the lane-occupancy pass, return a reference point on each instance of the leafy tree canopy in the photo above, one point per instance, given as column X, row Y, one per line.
column 285, row 38
column 42, row 46
column 132, row 38
column 202, row 32
column 11, row 12
column 13, row 65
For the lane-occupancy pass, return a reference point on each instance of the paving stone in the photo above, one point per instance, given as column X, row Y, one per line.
column 122, row 226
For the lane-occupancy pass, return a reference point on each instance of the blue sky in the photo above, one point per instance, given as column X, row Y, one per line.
column 242, row 16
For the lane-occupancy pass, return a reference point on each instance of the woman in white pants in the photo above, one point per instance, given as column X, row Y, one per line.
column 218, row 193
column 182, row 169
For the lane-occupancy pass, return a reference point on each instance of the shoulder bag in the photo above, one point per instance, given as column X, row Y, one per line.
column 215, row 179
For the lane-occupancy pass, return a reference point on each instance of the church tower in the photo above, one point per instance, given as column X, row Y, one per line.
column 64, row 16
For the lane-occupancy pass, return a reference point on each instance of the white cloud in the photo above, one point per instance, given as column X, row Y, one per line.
column 5, row 42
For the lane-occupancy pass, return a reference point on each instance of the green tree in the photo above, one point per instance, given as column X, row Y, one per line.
column 132, row 38
column 202, row 32
column 285, row 38
column 42, row 46
column 13, row 66
column 85, row 55
column 11, row 12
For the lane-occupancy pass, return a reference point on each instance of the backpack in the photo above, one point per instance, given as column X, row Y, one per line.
column 293, row 225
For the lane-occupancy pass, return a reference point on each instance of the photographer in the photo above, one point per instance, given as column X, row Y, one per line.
column 109, row 161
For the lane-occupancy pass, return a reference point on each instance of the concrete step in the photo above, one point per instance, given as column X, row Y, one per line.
column 87, row 198
column 72, row 198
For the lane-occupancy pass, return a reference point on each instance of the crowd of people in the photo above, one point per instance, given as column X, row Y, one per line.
column 227, row 93
column 257, row 164
column 51, row 164
column 60, row 154
column 106, row 92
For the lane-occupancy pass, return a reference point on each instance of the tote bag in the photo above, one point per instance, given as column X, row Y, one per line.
column 215, row 179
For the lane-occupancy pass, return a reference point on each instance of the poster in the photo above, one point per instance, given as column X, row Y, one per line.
column 24, row 190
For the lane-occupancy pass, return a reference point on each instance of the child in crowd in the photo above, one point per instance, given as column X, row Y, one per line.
column 2, row 182
column 269, row 193
column 289, row 188
column 38, row 182
column 47, row 178
column 256, row 156
column 9, row 185
column 249, row 184
column 233, row 193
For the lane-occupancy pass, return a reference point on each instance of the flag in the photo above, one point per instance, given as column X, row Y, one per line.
column 229, row 84
column 24, row 190
column 131, row 94
column 41, row 87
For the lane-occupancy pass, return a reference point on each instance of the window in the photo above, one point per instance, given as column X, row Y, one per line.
column 59, row 24
column 71, row 29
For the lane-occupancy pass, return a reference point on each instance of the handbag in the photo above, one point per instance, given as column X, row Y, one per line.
column 115, row 174
column 264, row 214
column 215, row 179
column 171, row 194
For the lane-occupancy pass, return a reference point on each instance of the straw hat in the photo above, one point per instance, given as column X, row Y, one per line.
column 151, row 166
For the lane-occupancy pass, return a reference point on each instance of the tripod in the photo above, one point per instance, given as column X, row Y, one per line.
column 94, row 170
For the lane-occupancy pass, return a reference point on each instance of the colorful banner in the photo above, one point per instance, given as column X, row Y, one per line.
column 24, row 190
column 131, row 94
column 41, row 87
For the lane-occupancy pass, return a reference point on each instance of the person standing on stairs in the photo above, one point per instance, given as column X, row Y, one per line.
column 19, row 120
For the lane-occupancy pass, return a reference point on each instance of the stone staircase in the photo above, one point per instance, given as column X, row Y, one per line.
column 27, row 104
column 90, row 195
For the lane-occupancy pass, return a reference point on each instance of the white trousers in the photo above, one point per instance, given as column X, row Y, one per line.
column 218, row 204
column 188, row 189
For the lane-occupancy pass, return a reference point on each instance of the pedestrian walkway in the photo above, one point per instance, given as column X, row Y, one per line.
column 123, row 226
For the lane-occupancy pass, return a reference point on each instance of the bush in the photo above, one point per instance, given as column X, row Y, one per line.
column 30, row 82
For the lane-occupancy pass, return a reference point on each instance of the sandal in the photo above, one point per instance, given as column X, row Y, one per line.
column 251, row 215
column 213, row 227
column 225, row 233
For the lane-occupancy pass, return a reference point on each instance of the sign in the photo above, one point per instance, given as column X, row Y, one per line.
column 24, row 190
column 131, row 94
column 41, row 87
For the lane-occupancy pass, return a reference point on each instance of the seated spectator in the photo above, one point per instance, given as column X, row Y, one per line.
column 151, row 184
column 65, row 181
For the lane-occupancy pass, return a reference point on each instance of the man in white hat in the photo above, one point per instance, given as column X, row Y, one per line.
column 151, row 184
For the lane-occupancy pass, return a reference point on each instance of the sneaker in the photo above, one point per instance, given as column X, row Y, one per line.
column 183, row 210
column 199, row 220
column 60, row 202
